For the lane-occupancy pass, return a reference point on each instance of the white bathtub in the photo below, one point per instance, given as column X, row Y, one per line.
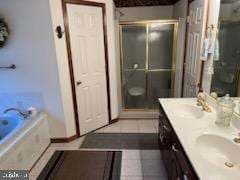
column 22, row 141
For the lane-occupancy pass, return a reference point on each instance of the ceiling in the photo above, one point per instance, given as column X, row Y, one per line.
column 134, row 3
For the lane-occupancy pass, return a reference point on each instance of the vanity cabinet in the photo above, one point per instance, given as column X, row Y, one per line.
column 176, row 162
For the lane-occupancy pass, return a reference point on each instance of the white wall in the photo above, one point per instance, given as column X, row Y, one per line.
column 62, row 59
column 180, row 9
column 31, row 47
column 146, row 13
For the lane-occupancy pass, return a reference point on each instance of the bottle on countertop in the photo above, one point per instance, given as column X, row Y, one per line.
column 225, row 109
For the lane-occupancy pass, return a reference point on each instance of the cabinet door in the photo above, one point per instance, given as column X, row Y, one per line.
column 165, row 135
column 175, row 160
column 165, row 130
column 187, row 172
column 176, row 172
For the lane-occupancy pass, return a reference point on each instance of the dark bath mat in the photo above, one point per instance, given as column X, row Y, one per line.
column 84, row 165
column 121, row 141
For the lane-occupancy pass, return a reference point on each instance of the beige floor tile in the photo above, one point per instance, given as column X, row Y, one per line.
column 153, row 168
column 131, row 155
column 155, row 178
column 131, row 178
column 131, row 168
column 155, row 123
column 48, row 154
column 32, row 177
column 146, row 126
column 129, row 126
column 38, row 167
column 150, row 154
column 113, row 128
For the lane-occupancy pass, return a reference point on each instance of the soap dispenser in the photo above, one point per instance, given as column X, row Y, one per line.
column 225, row 107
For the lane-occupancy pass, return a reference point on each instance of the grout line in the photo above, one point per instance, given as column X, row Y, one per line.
column 141, row 165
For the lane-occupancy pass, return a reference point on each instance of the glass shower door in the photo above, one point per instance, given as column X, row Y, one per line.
column 148, row 63
column 160, row 63
column 134, row 66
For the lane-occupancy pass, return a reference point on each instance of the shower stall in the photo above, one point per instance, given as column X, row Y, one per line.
column 148, row 50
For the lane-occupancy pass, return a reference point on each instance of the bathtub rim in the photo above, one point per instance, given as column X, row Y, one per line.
column 8, row 146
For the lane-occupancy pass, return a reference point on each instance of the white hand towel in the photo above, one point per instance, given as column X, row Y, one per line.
column 211, row 46
column 216, row 50
column 205, row 49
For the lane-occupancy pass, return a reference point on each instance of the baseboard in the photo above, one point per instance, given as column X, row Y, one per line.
column 114, row 120
column 64, row 140
column 69, row 139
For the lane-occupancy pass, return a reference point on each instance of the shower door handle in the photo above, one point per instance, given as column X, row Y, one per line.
column 79, row 83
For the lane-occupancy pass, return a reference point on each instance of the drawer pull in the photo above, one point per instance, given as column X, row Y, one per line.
column 174, row 148
column 166, row 128
column 185, row 177
column 162, row 138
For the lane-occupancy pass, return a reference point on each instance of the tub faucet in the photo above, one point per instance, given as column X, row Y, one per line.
column 237, row 140
column 22, row 113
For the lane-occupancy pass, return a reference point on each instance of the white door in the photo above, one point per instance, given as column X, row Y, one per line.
column 196, row 31
column 88, row 56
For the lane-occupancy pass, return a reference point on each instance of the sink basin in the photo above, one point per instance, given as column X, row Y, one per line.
column 219, row 151
column 188, row 111
column 235, row 123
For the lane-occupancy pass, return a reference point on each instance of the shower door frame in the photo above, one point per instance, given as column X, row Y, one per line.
column 146, row 24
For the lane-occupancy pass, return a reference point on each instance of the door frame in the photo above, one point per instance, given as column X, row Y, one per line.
column 185, row 48
column 70, row 62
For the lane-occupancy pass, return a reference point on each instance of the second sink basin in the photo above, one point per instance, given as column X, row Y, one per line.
column 219, row 151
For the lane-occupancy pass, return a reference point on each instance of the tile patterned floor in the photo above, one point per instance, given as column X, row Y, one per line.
column 132, row 126
column 136, row 164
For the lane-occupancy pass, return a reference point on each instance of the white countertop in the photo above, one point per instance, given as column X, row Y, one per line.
column 188, row 129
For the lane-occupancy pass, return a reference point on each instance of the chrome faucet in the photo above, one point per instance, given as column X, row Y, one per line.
column 202, row 101
column 22, row 113
column 237, row 140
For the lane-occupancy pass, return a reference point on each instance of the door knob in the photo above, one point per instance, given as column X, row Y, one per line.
column 79, row 83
